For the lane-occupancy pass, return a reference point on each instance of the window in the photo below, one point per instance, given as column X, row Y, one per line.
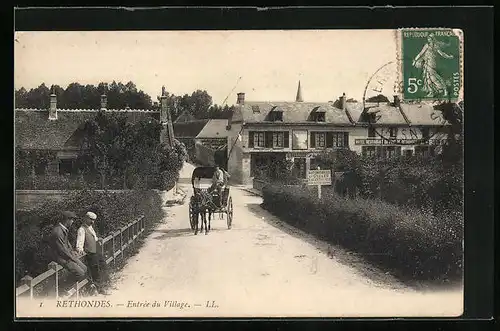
column 319, row 117
column 258, row 139
column 408, row 153
column 276, row 115
column 371, row 132
column 300, row 139
column 393, row 132
column 278, row 140
column 368, row 151
column 320, row 139
column 256, row 109
column 390, row 152
column 340, row 139
column 299, row 167
column 422, row 151
column 65, row 166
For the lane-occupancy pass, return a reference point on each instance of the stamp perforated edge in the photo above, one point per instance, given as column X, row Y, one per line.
column 399, row 63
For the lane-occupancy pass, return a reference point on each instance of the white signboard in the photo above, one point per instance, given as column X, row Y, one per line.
column 319, row 177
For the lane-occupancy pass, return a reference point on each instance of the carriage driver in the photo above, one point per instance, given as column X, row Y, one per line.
column 219, row 180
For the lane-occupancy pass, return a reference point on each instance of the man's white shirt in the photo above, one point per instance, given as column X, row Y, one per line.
column 80, row 239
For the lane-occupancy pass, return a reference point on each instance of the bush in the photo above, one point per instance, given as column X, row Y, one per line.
column 114, row 210
column 414, row 244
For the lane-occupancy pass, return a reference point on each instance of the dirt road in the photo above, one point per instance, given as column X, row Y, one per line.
column 260, row 267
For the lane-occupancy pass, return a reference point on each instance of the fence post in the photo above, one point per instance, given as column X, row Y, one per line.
column 113, row 249
column 116, row 234
column 53, row 266
column 121, row 241
column 100, row 242
column 28, row 280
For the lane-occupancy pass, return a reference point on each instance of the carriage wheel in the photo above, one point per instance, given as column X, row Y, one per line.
column 229, row 213
column 191, row 217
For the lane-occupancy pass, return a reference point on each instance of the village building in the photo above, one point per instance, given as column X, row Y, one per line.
column 211, row 144
column 261, row 134
column 59, row 133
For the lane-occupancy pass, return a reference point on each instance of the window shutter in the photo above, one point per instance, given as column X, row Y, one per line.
column 346, row 139
column 313, row 139
column 268, row 139
column 329, row 139
column 286, row 139
column 251, row 135
column 398, row 150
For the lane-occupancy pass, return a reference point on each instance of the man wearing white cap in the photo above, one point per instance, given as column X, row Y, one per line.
column 86, row 242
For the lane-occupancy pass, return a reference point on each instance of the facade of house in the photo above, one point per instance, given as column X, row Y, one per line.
column 211, row 143
column 60, row 131
column 262, row 133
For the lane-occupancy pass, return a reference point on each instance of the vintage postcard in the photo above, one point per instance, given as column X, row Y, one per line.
column 263, row 173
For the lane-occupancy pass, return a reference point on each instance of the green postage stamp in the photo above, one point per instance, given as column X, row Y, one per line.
column 430, row 61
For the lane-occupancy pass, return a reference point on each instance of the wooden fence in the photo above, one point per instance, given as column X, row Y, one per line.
column 112, row 248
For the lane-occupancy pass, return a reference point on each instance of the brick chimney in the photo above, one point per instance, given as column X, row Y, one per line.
column 163, row 106
column 167, row 131
column 53, row 106
column 397, row 102
column 104, row 102
column 241, row 98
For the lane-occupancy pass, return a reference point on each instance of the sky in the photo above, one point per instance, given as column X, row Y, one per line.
column 266, row 65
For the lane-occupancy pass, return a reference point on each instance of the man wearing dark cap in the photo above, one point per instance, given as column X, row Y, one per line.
column 61, row 249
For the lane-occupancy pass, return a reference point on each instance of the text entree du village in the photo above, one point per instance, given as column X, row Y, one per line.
column 129, row 304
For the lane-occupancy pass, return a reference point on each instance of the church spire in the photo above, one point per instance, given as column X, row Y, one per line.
column 298, row 98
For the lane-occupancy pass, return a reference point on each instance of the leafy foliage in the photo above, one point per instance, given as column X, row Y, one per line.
column 87, row 96
column 114, row 210
column 413, row 244
column 116, row 148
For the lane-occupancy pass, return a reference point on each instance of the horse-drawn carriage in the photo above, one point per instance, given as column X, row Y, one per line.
column 205, row 201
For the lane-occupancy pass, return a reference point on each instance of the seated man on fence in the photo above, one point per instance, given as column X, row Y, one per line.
column 219, row 181
column 86, row 242
column 61, row 249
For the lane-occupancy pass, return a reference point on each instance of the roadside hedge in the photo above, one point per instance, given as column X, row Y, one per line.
column 114, row 210
column 412, row 244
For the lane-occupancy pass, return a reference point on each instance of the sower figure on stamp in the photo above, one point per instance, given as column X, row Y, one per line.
column 61, row 249
column 86, row 242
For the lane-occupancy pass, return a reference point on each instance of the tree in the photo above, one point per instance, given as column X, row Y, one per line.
column 85, row 96
column 378, row 98
column 34, row 98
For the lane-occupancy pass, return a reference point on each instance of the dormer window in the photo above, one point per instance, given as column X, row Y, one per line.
column 319, row 117
column 318, row 114
column 276, row 115
column 255, row 109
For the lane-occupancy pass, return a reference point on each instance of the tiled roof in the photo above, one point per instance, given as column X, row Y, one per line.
column 293, row 112
column 189, row 129
column 407, row 114
column 34, row 130
column 299, row 112
column 215, row 128
column 423, row 114
column 387, row 114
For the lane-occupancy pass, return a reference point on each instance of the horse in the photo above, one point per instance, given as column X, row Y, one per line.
column 202, row 205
